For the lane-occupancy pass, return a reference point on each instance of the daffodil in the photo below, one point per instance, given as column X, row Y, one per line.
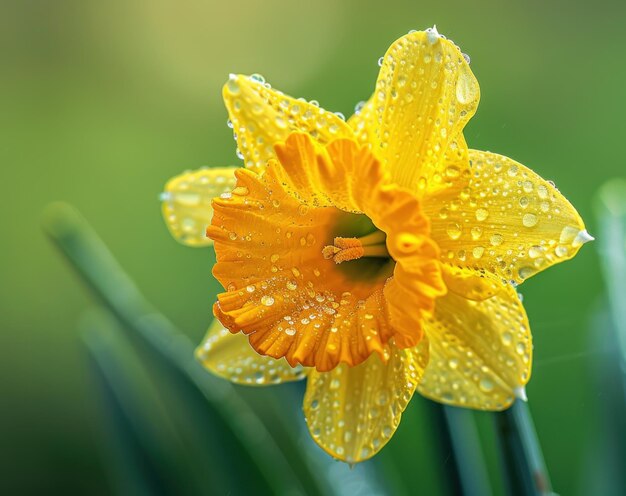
column 377, row 256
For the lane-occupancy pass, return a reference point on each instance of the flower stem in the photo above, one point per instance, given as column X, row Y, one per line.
column 611, row 214
column 525, row 469
column 467, row 470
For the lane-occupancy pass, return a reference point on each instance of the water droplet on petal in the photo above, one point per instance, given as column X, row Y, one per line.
column 268, row 301
column 496, row 239
column 481, row 214
column 466, row 86
column 529, row 220
column 454, row 230
column 258, row 78
column 485, row 385
column 359, row 107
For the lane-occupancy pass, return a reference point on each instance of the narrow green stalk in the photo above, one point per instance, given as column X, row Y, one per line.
column 525, row 469
column 466, row 469
column 606, row 458
column 611, row 215
column 98, row 268
column 146, row 453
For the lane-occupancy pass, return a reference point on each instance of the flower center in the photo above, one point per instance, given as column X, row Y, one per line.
column 346, row 249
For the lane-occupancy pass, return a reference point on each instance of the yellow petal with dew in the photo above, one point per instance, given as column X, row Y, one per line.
column 261, row 117
column 473, row 284
column 186, row 202
column 349, row 177
column 286, row 294
column 230, row 356
column 505, row 220
column 352, row 412
column 424, row 96
column 281, row 291
column 480, row 351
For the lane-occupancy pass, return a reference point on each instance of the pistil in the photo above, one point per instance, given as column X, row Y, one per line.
column 346, row 249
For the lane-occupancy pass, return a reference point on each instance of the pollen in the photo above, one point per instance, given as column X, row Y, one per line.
column 346, row 249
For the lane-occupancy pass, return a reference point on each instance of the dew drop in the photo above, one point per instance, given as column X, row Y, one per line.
column 481, row 214
column 478, row 251
column 561, row 251
column 268, row 301
column 258, row 78
column 232, row 84
column 496, row 239
column 535, row 251
column 529, row 220
column 454, row 230
column 486, row 386
column 466, row 87
column 280, row 122
column 526, row 272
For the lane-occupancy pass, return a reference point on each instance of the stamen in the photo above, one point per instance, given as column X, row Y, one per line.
column 346, row 249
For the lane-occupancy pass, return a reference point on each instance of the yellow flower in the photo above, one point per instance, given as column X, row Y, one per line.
column 375, row 256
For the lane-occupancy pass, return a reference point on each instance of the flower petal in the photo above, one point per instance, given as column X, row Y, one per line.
column 230, row 356
column 480, row 351
column 424, row 96
column 284, row 294
column 348, row 177
column 352, row 412
column 504, row 219
column 187, row 200
column 280, row 290
column 261, row 117
column 471, row 283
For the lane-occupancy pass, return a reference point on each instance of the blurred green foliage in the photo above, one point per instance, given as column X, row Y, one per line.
column 103, row 101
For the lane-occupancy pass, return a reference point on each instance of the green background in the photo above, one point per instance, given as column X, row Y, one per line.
column 102, row 102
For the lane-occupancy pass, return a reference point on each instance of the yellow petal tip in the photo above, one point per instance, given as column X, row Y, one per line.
column 583, row 237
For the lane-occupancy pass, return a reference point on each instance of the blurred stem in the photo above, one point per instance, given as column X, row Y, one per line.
column 611, row 215
column 467, row 471
column 526, row 472
column 146, row 453
column 94, row 262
